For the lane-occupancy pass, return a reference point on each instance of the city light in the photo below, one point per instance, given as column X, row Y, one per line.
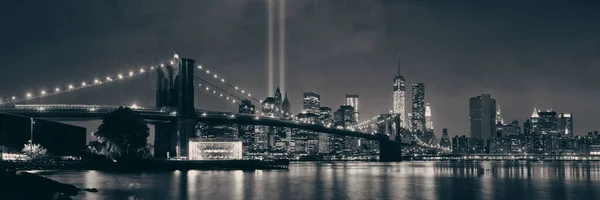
column 84, row 84
column 28, row 95
column 222, row 80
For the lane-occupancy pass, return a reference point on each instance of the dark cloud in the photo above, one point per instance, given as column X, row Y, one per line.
column 527, row 54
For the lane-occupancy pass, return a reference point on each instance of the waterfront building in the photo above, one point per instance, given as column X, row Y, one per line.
column 246, row 132
column 445, row 139
column 482, row 116
column 306, row 142
column 326, row 119
column 215, row 149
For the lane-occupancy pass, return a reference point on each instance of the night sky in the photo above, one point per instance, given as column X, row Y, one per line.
column 543, row 54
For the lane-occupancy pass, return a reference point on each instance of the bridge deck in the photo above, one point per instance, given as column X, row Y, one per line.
column 93, row 112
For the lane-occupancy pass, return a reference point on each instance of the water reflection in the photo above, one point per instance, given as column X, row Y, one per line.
column 408, row 180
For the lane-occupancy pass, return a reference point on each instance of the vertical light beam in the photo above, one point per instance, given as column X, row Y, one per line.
column 282, row 46
column 270, row 45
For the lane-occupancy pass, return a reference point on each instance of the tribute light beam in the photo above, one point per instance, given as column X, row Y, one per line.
column 270, row 41
column 281, row 46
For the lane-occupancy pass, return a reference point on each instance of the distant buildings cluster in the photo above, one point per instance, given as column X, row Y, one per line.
column 279, row 142
column 545, row 132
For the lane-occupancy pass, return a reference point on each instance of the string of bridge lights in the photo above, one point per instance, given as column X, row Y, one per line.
column 83, row 84
column 220, row 95
column 120, row 76
column 222, row 80
column 372, row 121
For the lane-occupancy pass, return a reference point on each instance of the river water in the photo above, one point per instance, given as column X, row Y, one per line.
column 352, row 180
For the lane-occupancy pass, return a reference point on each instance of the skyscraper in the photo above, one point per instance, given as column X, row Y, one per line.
column 482, row 116
column 285, row 107
column 428, row 122
column 547, row 122
column 418, row 107
column 445, row 140
column 246, row 132
column 565, row 123
column 311, row 102
column 352, row 100
column 278, row 100
column 325, row 119
column 398, row 95
column 499, row 119
column 263, row 135
column 246, row 107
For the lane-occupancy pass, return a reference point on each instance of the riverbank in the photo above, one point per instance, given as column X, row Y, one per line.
column 144, row 165
column 24, row 185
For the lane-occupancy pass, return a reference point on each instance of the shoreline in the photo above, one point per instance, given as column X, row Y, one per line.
column 144, row 165
column 26, row 185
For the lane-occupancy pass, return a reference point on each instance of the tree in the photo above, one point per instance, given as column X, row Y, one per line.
column 123, row 135
column 34, row 151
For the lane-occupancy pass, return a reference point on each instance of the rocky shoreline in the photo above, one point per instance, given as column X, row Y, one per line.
column 24, row 185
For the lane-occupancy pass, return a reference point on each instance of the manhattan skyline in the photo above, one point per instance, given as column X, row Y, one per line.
column 534, row 54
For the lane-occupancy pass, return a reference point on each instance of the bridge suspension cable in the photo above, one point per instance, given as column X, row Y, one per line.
column 206, row 82
column 71, row 87
column 222, row 80
column 373, row 121
column 221, row 94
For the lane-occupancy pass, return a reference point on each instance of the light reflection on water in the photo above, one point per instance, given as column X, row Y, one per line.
column 310, row 180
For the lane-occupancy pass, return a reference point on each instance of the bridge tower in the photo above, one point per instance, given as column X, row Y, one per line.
column 175, row 90
column 390, row 148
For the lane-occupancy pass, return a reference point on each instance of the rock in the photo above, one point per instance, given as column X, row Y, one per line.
column 90, row 189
